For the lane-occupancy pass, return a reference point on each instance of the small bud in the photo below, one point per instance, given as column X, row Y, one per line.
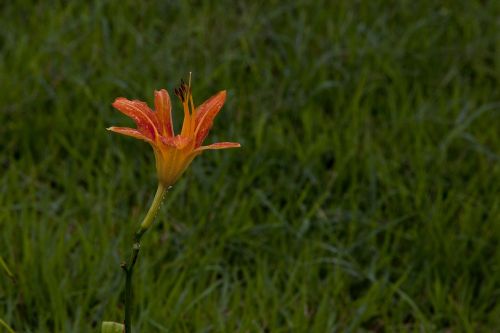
column 112, row 327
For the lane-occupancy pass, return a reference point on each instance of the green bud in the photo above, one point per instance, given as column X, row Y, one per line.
column 112, row 327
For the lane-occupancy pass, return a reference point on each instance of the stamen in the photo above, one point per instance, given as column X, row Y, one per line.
column 192, row 104
column 184, row 91
column 178, row 92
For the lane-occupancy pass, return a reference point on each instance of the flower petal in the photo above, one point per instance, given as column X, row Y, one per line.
column 139, row 111
column 219, row 145
column 178, row 141
column 163, row 109
column 130, row 132
column 205, row 115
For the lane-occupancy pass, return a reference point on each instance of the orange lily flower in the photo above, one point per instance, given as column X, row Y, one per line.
column 173, row 153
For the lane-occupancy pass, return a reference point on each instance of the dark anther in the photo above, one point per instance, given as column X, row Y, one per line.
column 178, row 93
column 183, row 91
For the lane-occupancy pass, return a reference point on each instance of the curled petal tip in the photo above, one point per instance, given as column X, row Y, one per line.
column 118, row 100
column 219, row 145
column 130, row 132
column 223, row 95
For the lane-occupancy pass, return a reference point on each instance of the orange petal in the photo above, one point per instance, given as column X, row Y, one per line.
column 177, row 141
column 139, row 111
column 163, row 109
column 205, row 115
column 130, row 132
column 181, row 142
column 219, row 145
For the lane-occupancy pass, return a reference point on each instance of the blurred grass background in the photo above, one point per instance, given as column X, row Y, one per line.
column 366, row 196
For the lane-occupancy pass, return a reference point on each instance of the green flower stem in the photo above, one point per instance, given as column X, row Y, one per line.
column 128, row 267
column 146, row 223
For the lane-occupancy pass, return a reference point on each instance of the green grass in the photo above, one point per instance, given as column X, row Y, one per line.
column 366, row 196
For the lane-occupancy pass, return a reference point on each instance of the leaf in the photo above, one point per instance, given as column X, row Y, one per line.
column 6, row 269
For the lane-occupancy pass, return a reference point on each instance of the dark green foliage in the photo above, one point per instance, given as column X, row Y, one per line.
column 366, row 196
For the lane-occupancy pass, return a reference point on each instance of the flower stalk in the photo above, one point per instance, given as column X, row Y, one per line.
column 173, row 154
column 128, row 267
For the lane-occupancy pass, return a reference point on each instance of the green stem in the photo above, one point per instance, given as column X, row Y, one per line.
column 128, row 268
